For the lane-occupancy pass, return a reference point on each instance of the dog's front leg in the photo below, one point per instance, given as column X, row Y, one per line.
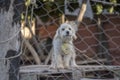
column 73, row 62
column 59, row 62
column 53, row 62
column 67, row 60
column 56, row 61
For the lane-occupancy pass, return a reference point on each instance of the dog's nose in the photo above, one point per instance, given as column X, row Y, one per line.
column 67, row 32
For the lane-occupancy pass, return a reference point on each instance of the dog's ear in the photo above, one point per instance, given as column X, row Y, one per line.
column 74, row 36
column 57, row 34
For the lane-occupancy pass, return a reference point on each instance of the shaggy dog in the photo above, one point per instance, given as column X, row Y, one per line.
column 63, row 53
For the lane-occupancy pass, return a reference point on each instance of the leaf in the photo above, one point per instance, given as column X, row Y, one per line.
column 99, row 8
column 111, row 9
column 27, row 2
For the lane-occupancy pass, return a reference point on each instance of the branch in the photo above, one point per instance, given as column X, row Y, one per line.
column 40, row 51
column 32, row 50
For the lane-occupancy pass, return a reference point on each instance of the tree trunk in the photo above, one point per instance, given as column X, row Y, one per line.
column 9, row 39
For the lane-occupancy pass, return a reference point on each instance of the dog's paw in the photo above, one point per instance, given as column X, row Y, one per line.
column 52, row 66
column 66, row 66
column 56, row 67
column 74, row 66
column 60, row 67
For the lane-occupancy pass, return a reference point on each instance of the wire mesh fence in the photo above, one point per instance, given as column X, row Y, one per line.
column 98, row 35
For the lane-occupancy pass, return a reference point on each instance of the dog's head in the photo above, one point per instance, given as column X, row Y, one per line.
column 66, row 32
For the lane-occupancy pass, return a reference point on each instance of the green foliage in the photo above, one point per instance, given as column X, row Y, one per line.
column 27, row 2
column 99, row 7
column 112, row 8
column 55, row 8
column 113, row 1
column 49, row 8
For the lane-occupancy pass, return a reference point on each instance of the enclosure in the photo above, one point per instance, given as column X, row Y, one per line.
column 27, row 28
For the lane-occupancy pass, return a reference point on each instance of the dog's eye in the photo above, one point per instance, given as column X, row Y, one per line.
column 69, row 28
column 63, row 29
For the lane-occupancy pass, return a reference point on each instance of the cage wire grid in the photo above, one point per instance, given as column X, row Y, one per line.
column 41, row 18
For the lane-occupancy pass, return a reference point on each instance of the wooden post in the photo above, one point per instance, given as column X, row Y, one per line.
column 80, row 16
column 103, row 43
column 63, row 18
column 82, row 11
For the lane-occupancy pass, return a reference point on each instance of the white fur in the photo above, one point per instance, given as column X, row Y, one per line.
column 59, row 58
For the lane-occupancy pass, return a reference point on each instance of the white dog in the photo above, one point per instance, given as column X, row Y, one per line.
column 63, row 53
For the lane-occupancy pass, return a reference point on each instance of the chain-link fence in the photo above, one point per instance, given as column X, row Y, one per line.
column 98, row 36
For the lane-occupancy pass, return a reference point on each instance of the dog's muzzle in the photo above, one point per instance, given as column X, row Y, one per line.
column 68, row 33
